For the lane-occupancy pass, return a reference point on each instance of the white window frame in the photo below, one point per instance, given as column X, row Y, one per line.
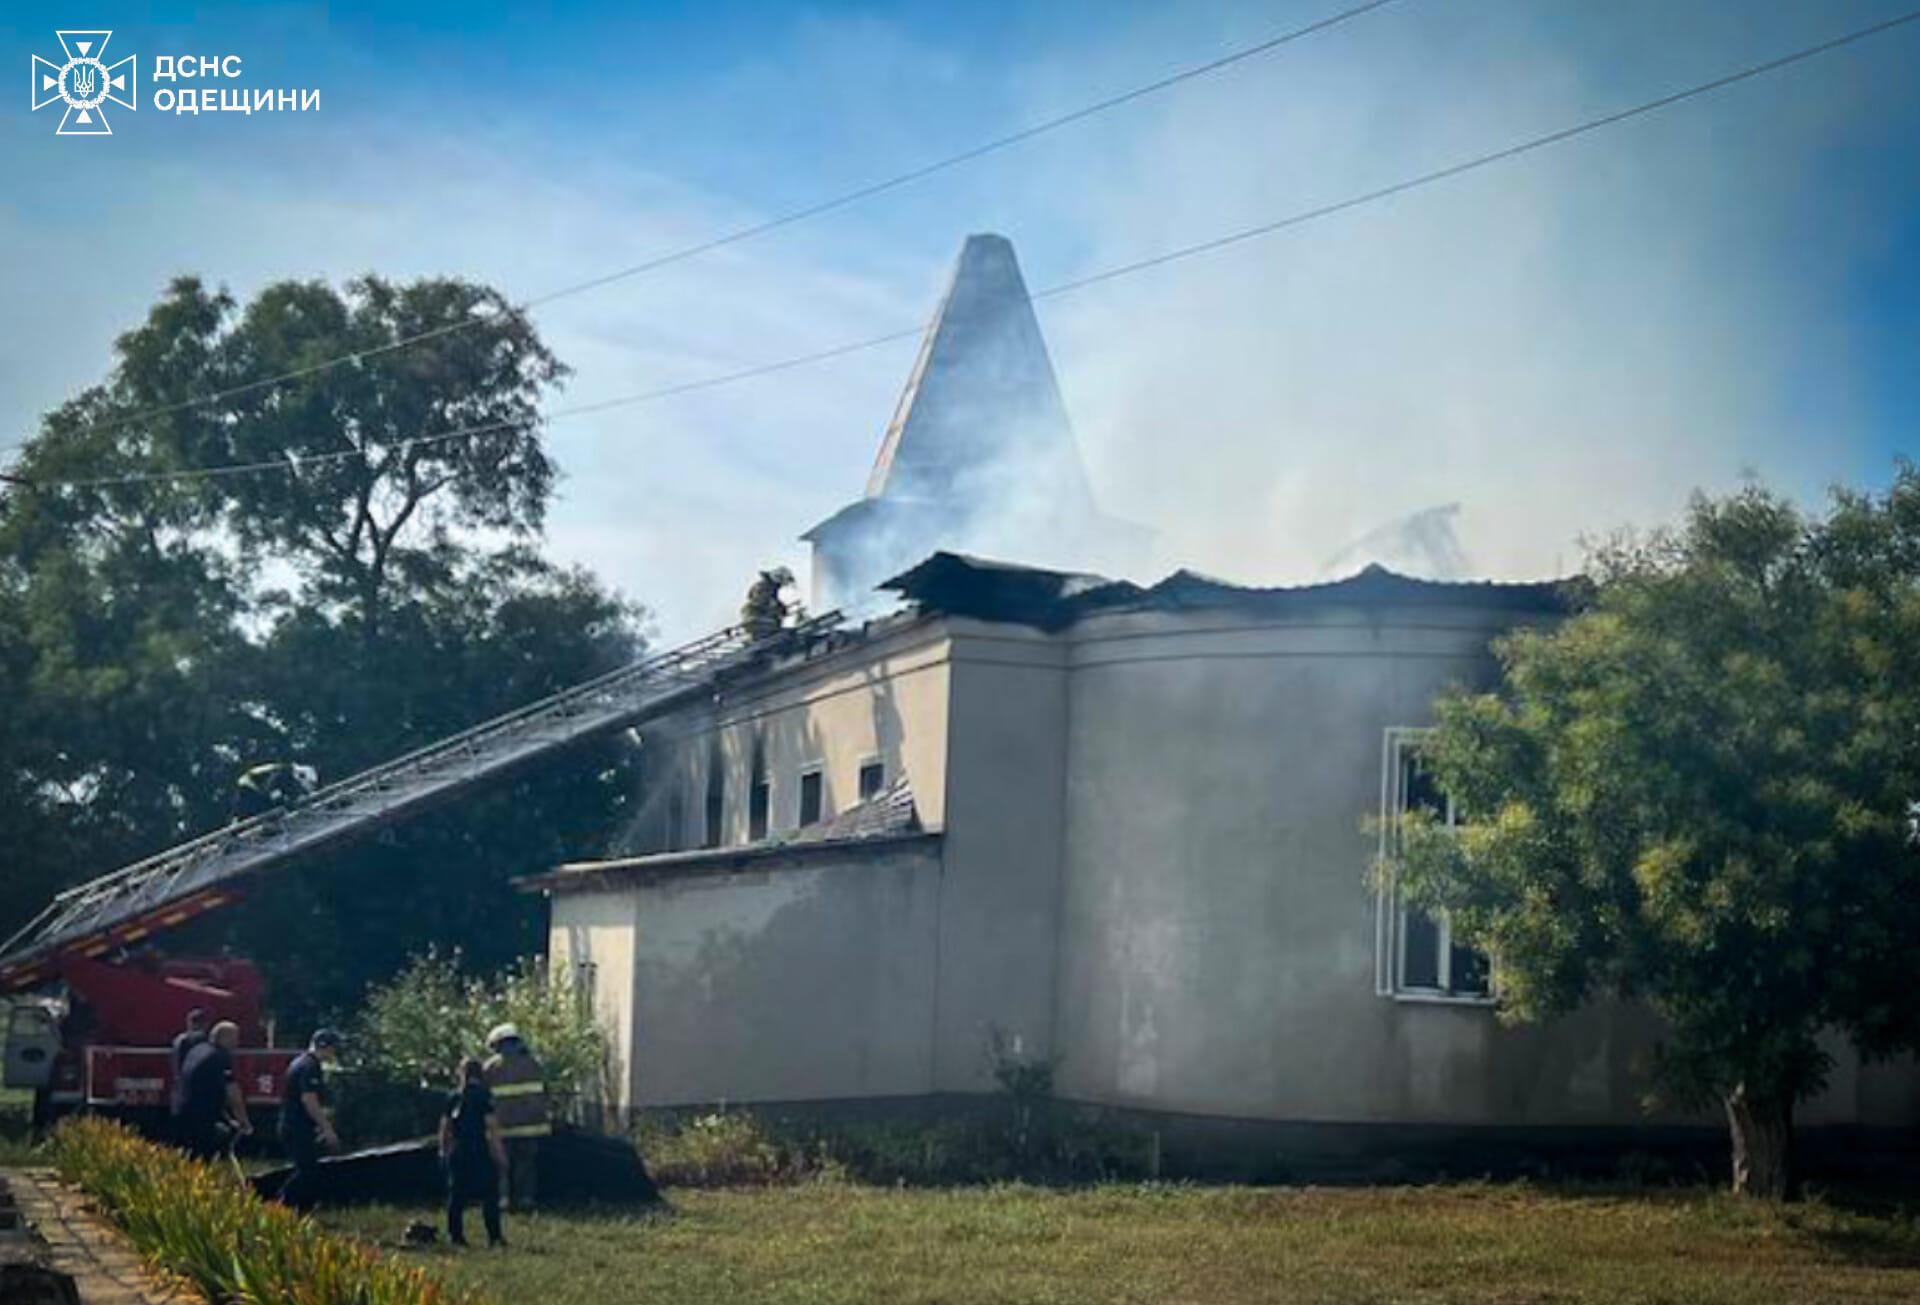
column 1390, row 914
column 800, row 793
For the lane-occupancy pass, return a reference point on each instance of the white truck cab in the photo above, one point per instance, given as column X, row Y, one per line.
column 33, row 1043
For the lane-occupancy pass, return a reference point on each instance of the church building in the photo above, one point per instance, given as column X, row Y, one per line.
column 1125, row 828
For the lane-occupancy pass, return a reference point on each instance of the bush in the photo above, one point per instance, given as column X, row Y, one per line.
column 414, row 1030
column 1023, row 1134
column 721, row 1149
column 197, row 1223
column 740, row 1148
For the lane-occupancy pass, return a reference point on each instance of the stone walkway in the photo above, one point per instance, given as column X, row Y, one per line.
column 75, row 1240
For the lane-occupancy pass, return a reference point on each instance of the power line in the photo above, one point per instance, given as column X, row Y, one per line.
column 1485, row 160
column 1079, row 283
column 787, row 219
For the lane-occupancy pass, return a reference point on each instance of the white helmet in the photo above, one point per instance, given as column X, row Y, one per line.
column 503, row 1033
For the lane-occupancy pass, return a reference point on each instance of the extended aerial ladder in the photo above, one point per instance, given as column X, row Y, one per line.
column 134, row 903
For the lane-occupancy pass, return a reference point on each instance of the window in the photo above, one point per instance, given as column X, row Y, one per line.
column 716, row 801
column 759, row 795
column 873, row 778
column 1415, row 952
column 757, row 798
column 676, row 822
column 812, row 796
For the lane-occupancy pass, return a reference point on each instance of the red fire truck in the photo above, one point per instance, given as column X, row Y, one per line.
column 106, row 1044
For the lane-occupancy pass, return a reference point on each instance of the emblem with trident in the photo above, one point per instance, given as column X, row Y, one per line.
column 85, row 83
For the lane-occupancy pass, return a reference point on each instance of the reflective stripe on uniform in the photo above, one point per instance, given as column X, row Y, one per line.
column 528, row 1130
column 519, row 1086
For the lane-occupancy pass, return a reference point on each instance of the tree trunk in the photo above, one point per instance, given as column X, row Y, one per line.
column 1762, row 1127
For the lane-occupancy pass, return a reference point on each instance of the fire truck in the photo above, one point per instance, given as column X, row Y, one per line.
column 103, row 1042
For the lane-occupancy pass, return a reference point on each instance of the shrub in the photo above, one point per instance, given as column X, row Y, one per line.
column 740, row 1148
column 1023, row 1134
column 197, row 1223
column 414, row 1030
column 720, row 1149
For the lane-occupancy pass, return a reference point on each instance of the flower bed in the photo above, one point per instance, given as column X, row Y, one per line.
column 199, row 1224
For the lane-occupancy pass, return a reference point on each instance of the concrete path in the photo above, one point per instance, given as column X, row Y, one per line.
column 72, row 1239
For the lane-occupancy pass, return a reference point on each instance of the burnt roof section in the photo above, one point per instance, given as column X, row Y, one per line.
column 884, row 821
column 958, row 585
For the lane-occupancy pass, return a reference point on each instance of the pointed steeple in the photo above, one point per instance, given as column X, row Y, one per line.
column 982, row 395
column 979, row 456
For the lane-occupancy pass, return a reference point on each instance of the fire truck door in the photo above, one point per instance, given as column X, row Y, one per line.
column 33, row 1040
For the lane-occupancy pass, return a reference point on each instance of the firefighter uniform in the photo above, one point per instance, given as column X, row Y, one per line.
column 273, row 784
column 519, row 1085
column 765, row 611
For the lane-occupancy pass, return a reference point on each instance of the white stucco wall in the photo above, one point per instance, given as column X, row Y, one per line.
column 1217, row 947
column 884, row 700
column 999, row 905
column 592, row 936
column 798, row 983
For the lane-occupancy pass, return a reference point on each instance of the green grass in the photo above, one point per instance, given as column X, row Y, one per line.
column 824, row 1243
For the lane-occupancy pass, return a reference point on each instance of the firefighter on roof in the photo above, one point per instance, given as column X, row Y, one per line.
column 519, row 1085
column 765, row 611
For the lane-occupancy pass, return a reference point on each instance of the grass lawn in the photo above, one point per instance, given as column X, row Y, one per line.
column 839, row 1242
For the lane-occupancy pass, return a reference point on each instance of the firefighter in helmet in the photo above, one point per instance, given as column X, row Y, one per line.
column 519, row 1085
column 765, row 611
column 272, row 784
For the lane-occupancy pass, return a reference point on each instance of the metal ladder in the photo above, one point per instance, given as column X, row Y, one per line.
column 132, row 903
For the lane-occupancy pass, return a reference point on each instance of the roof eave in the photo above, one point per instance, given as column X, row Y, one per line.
column 587, row 876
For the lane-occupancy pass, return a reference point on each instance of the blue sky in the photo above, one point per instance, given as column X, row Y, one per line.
column 1564, row 345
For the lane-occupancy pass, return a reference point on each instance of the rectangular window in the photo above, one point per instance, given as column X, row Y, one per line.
column 676, row 822
column 873, row 778
column 1415, row 952
column 716, row 803
column 812, row 797
column 757, row 805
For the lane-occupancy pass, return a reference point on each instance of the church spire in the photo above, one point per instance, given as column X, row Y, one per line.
column 981, row 403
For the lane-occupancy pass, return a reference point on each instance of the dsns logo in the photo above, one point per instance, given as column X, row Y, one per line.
column 86, row 82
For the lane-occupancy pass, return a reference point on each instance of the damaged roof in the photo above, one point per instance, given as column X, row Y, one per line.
column 886, row 820
column 958, row 585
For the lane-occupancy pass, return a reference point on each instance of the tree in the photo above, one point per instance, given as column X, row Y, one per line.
column 1695, row 793
column 411, row 1033
column 369, row 586
column 500, row 631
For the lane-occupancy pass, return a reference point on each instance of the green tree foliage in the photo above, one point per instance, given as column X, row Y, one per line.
column 1697, row 793
column 376, row 588
column 417, row 1027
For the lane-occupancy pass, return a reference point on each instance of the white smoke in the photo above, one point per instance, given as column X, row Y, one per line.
column 1562, row 344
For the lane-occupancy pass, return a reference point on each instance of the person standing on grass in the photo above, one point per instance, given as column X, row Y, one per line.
column 519, row 1083
column 473, row 1153
column 306, row 1128
column 183, row 1043
column 213, row 1109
